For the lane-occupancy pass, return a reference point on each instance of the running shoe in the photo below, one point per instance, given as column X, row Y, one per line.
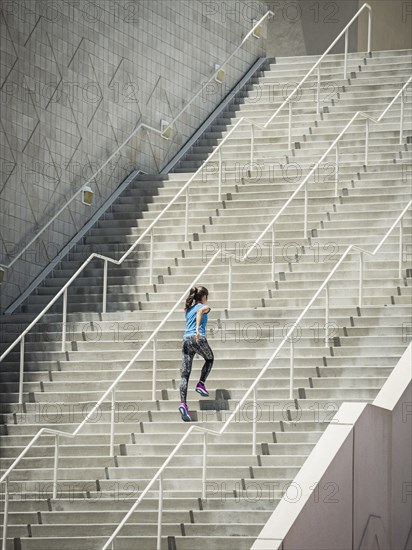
column 184, row 411
column 200, row 388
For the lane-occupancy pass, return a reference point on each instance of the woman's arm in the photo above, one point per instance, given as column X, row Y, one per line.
column 200, row 312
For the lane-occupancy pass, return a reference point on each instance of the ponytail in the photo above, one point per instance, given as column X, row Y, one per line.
column 195, row 295
column 191, row 298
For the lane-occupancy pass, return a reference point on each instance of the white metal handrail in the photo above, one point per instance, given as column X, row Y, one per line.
column 106, row 259
column 163, row 133
column 63, row 291
column 318, row 63
column 253, row 389
column 110, row 391
column 268, row 14
column 150, row 229
column 77, row 193
column 334, row 145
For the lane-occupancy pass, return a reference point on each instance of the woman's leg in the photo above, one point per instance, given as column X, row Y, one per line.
column 203, row 349
column 188, row 352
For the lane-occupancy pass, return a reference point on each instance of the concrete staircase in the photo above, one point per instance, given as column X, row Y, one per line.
column 94, row 490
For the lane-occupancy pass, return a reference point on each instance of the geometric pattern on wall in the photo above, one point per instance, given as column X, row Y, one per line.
column 74, row 83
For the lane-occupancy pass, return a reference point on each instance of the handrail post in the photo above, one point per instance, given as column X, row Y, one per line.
column 187, row 215
column 204, row 466
column 219, row 193
column 400, row 247
column 56, row 464
column 64, row 322
column 318, row 92
column 252, row 145
column 360, row 279
column 154, row 369
column 254, row 426
column 292, row 365
column 326, row 315
column 305, row 214
column 21, row 375
column 290, row 126
column 370, row 31
column 160, row 513
column 112, row 416
column 366, row 141
column 229, row 282
column 104, row 308
column 402, row 116
column 345, row 63
column 274, row 253
column 151, row 257
column 337, row 169
column 5, row 514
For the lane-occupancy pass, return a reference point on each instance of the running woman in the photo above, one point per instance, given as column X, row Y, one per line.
column 194, row 341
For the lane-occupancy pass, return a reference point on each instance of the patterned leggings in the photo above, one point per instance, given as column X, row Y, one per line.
column 190, row 347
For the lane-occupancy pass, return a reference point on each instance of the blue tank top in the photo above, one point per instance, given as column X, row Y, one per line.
column 190, row 315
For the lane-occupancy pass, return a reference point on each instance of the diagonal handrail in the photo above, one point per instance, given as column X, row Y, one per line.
column 112, row 388
column 114, row 384
column 268, row 14
column 334, row 145
column 165, row 133
column 107, row 259
column 150, row 229
column 252, row 389
column 318, row 63
column 77, row 193
column 60, row 433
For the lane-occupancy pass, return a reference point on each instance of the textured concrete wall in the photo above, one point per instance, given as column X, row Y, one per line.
column 302, row 27
column 325, row 20
column 76, row 77
column 285, row 30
